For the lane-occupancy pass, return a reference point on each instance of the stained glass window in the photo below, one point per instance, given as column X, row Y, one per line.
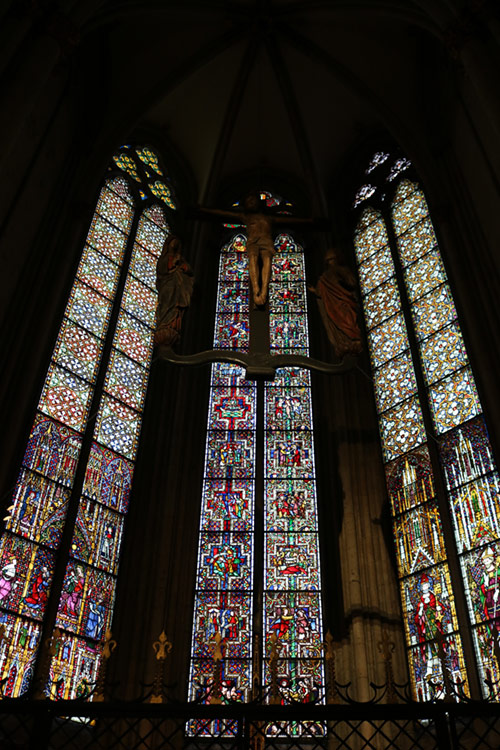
column 428, row 604
column 458, row 429
column 290, row 590
column 61, row 438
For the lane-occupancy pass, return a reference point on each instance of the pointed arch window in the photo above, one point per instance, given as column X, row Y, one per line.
column 59, row 554
column 259, row 465
column 441, row 476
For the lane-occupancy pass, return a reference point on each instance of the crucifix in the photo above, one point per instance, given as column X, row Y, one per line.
column 259, row 362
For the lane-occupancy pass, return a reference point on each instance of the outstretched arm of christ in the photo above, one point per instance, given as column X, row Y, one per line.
column 225, row 213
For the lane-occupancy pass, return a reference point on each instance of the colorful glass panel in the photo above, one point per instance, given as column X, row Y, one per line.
column 416, row 241
column 428, row 606
column 140, row 301
column 75, row 665
column 98, row 272
column 65, row 398
column 410, row 481
column 77, row 350
column 228, row 505
column 402, row 429
column 426, row 668
column 108, row 478
column 291, row 548
column 152, row 231
column 89, row 309
column 394, row 382
column 388, row 340
column 419, row 539
column 375, row 270
column 25, row 576
column 106, row 238
column 161, row 191
column 112, row 207
column 382, row 303
column 125, row 162
column 424, row 275
column 133, row 338
column 149, row 157
column 38, row 510
column 454, row 400
column 409, row 207
column 143, row 266
column 432, row 312
column 98, row 534
column 52, row 450
column 126, row 380
column 224, row 582
column 18, row 650
column 443, row 353
column 86, row 601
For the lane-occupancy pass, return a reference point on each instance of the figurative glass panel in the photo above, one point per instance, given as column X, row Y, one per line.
column 292, row 618
column 470, row 474
column 224, row 583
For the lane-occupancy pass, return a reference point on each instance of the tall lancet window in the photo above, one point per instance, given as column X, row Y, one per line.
column 61, row 546
column 259, row 465
column 442, row 479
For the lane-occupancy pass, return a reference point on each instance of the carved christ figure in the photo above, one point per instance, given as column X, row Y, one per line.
column 260, row 243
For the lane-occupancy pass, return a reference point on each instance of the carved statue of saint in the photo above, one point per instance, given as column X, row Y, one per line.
column 335, row 291
column 260, row 243
column 174, row 282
